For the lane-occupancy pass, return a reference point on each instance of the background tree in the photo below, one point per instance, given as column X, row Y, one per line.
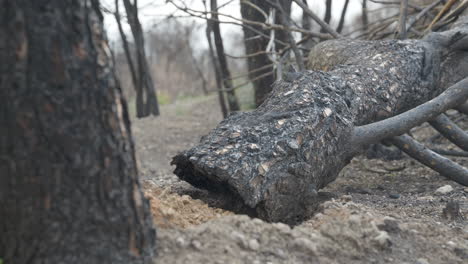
column 256, row 42
column 223, row 64
column 146, row 100
column 69, row 187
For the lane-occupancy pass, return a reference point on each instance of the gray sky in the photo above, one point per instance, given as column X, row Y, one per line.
column 153, row 11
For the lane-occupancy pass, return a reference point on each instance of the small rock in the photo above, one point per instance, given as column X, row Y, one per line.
column 444, row 189
column 422, row 261
column 305, row 244
column 394, row 195
column 465, row 189
column 282, row 227
column 383, row 239
column 181, row 242
column 257, row 221
column 239, row 238
column 380, row 187
column 360, row 190
column 254, row 245
column 197, row 244
column 461, row 252
column 389, row 225
column 452, row 211
column 169, row 212
column 346, row 197
column 451, row 243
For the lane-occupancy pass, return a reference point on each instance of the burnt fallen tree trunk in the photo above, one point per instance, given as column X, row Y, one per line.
column 275, row 158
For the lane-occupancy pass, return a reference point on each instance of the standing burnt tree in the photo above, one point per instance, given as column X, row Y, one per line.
column 69, row 187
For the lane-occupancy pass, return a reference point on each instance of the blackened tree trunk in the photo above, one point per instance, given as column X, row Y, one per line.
column 364, row 16
column 274, row 159
column 307, row 25
column 255, row 43
column 282, row 35
column 139, row 104
column 327, row 17
column 69, row 188
column 223, row 64
column 216, row 69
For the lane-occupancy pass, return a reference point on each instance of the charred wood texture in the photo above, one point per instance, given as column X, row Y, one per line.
column 275, row 158
column 69, row 189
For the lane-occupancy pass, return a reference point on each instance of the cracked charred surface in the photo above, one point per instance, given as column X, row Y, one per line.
column 275, row 158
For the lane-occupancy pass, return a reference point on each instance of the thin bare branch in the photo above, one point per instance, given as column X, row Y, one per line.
column 250, row 55
column 450, row 152
column 451, row 131
column 252, row 71
column 442, row 165
column 423, row 13
column 317, row 19
column 286, row 21
column 249, row 81
column 442, row 12
column 199, row 14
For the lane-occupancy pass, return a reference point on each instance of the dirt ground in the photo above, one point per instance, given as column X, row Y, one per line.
column 376, row 212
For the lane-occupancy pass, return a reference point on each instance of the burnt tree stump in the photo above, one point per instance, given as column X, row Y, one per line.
column 275, row 158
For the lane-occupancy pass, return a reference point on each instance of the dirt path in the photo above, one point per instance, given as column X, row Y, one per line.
column 377, row 211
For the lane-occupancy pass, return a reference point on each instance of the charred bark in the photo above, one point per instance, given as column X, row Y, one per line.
column 69, row 188
column 275, row 158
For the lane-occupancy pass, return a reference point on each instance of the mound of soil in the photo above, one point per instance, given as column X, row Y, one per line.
column 171, row 210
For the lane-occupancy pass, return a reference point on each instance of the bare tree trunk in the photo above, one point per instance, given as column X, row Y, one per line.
column 342, row 17
column 253, row 44
column 281, row 35
column 195, row 63
column 364, row 16
column 216, row 69
column 140, row 106
column 226, row 75
column 307, row 25
column 327, row 17
column 69, row 187
column 145, row 80
column 275, row 158
column 402, row 31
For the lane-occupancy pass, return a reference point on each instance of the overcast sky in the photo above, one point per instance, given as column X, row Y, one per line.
column 153, row 11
